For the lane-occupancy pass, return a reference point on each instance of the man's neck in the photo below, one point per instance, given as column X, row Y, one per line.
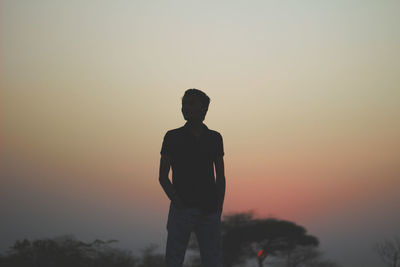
column 195, row 127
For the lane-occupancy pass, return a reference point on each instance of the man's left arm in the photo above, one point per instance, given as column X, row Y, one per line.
column 220, row 181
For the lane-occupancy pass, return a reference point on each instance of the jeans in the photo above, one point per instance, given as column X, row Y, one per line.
column 207, row 227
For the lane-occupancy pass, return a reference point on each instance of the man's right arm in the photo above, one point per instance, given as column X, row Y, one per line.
column 165, row 165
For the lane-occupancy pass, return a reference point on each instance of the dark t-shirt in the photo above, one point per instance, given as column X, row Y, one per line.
column 192, row 165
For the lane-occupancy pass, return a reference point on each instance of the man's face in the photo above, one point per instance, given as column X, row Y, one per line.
column 192, row 109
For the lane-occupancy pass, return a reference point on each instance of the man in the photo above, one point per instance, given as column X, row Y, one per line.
column 196, row 194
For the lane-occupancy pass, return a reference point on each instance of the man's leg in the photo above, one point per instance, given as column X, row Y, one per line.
column 180, row 225
column 208, row 233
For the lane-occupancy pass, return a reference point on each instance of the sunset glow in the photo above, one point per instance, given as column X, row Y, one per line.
column 305, row 96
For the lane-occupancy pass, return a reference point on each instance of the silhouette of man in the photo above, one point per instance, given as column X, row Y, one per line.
column 196, row 194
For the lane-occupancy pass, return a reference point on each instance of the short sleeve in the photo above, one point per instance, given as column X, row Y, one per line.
column 166, row 145
column 219, row 146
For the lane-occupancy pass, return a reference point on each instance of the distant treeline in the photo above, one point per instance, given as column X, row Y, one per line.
column 267, row 241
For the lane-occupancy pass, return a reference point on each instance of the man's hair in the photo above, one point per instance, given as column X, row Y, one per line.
column 204, row 99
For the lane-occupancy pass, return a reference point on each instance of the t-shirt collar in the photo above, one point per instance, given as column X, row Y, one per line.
column 186, row 127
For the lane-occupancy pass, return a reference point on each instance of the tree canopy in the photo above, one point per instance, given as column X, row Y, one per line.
column 244, row 236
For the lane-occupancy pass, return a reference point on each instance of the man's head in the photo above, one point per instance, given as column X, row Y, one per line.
column 195, row 105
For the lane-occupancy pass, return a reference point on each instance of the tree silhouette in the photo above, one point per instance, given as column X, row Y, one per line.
column 66, row 251
column 389, row 252
column 244, row 236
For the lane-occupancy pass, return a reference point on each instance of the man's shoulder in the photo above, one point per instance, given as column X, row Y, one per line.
column 214, row 133
column 180, row 130
column 175, row 131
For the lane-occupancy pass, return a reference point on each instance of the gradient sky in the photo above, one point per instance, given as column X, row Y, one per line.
column 305, row 94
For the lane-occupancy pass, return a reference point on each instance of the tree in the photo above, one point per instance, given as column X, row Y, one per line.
column 67, row 251
column 244, row 236
column 389, row 252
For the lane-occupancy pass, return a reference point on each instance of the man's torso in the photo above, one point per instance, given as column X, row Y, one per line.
column 192, row 158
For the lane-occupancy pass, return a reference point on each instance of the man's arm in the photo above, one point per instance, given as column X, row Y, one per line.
column 220, row 180
column 165, row 165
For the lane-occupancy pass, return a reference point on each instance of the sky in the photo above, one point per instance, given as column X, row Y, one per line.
column 305, row 94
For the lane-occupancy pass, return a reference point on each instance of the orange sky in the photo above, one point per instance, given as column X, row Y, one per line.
column 305, row 96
